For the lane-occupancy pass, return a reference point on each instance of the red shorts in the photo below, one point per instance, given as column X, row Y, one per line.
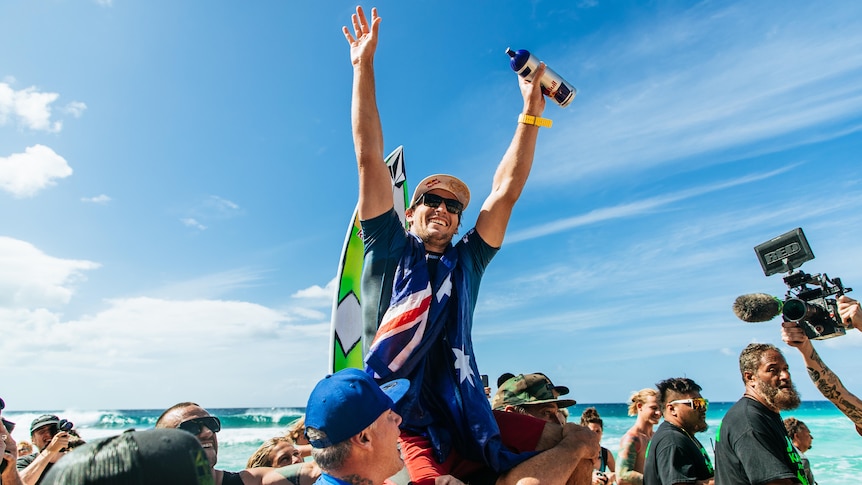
column 519, row 433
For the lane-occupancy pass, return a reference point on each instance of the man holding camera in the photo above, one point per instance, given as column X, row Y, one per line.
column 826, row 381
column 50, row 434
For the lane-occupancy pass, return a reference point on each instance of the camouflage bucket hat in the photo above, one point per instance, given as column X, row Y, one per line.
column 527, row 389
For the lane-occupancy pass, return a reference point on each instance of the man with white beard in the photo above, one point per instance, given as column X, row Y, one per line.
column 752, row 445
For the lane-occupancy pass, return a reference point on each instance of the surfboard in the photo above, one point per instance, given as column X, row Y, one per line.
column 346, row 346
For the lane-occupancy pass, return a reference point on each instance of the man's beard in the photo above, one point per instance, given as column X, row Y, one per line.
column 701, row 426
column 778, row 398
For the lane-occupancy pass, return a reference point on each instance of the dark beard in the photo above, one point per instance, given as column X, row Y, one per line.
column 701, row 427
column 780, row 399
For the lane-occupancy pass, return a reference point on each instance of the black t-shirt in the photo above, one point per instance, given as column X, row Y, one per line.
column 231, row 478
column 753, row 448
column 673, row 456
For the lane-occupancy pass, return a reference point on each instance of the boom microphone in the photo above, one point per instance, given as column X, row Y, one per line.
column 757, row 307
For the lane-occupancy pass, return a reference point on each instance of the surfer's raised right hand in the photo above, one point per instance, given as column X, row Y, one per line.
column 363, row 41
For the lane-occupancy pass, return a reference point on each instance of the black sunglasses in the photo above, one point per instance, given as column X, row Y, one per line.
column 433, row 201
column 195, row 425
column 8, row 424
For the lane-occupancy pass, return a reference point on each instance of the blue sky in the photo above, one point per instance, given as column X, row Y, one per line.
column 176, row 179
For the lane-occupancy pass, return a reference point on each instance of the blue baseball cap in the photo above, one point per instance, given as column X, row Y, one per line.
column 343, row 404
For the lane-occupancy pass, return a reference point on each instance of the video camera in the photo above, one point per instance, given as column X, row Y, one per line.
column 810, row 300
column 65, row 425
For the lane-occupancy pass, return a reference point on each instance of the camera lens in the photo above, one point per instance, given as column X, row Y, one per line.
column 795, row 309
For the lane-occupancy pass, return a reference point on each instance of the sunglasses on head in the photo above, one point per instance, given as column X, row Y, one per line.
column 433, row 201
column 697, row 404
column 195, row 425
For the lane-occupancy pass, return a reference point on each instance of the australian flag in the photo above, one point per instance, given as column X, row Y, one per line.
column 425, row 336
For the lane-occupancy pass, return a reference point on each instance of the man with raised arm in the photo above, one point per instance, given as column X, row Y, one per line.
column 821, row 375
column 419, row 291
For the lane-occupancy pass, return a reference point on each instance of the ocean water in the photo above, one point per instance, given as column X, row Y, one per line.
column 836, row 454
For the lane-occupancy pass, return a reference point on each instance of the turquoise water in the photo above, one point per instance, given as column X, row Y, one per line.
column 836, row 456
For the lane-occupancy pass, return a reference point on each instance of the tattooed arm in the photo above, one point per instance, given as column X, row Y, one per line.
column 628, row 459
column 826, row 381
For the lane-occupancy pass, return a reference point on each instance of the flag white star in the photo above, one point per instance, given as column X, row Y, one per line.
column 445, row 288
column 462, row 365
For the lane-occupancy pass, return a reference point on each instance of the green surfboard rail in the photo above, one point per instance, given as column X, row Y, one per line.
column 347, row 334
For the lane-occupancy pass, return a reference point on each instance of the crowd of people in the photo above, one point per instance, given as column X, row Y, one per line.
column 418, row 411
column 353, row 433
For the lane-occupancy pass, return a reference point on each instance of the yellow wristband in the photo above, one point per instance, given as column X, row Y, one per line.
column 534, row 120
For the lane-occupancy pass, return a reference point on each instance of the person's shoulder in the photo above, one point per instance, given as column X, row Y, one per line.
column 382, row 218
column 754, row 410
column 472, row 237
column 236, row 478
column 24, row 461
column 633, row 436
column 740, row 407
column 663, row 429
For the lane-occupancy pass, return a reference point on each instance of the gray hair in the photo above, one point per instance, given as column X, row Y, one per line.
column 332, row 457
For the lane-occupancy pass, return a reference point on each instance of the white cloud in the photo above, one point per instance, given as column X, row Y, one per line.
column 209, row 209
column 25, row 174
column 75, row 108
column 215, row 207
column 192, row 222
column 635, row 208
column 99, row 199
column 29, row 106
column 709, row 81
column 317, row 296
column 30, row 278
column 208, row 286
column 142, row 350
column 105, row 3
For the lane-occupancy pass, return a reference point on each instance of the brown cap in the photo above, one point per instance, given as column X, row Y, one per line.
column 445, row 182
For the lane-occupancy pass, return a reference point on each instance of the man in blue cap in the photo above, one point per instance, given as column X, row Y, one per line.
column 353, row 429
